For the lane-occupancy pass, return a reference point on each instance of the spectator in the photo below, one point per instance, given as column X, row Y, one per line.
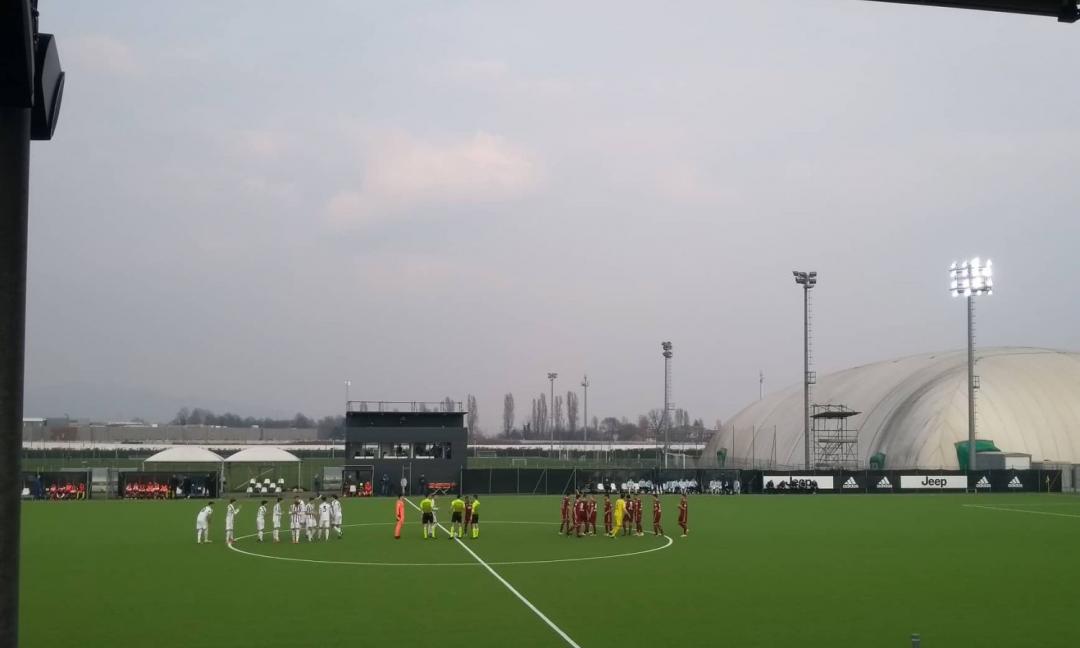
column 423, row 484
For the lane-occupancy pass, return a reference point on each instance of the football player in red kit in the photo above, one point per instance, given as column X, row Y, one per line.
column 607, row 514
column 592, row 515
column 638, row 512
column 683, row 514
column 657, row 528
column 580, row 514
column 565, row 526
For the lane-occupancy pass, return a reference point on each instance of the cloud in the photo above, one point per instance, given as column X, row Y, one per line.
column 262, row 144
column 685, row 184
column 404, row 173
column 497, row 76
column 102, row 54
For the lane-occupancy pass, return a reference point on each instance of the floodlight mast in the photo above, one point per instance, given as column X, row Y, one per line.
column 665, row 421
column 31, row 88
column 969, row 279
column 1066, row 11
column 807, row 280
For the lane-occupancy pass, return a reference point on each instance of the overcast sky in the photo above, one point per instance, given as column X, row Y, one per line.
column 246, row 204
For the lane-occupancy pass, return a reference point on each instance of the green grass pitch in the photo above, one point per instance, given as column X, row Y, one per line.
column 796, row 571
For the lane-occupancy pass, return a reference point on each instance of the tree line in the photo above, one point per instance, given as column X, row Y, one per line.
column 547, row 421
column 329, row 426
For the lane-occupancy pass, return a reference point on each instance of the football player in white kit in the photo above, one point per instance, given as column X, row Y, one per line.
column 335, row 514
column 260, row 520
column 309, row 518
column 230, row 521
column 275, row 520
column 324, row 519
column 202, row 523
column 296, row 519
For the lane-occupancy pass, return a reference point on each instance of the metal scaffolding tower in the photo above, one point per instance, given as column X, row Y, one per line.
column 836, row 444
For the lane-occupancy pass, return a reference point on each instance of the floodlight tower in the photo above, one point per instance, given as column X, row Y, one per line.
column 665, row 420
column 807, row 280
column 31, row 90
column 551, row 408
column 969, row 279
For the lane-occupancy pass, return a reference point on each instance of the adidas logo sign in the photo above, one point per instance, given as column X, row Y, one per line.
column 884, row 483
column 851, row 483
column 983, row 483
column 1015, row 483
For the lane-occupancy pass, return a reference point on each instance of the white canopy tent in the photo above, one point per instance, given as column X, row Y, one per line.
column 187, row 455
column 265, row 455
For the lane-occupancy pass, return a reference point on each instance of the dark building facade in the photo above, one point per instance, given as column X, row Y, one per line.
column 422, row 447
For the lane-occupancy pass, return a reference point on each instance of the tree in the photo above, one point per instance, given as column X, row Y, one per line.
column 571, row 412
column 331, row 427
column 533, row 422
column 609, row 426
column 508, row 415
column 182, row 416
column 473, row 417
column 559, row 424
column 543, row 424
column 656, row 420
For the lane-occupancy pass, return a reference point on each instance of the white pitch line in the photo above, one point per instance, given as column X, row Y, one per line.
column 1013, row 510
column 628, row 554
column 543, row 617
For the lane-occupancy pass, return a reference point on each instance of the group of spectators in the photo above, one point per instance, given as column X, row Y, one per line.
column 148, row 490
column 643, row 486
column 37, row 488
column 796, row 486
column 725, row 487
column 65, row 491
column 177, row 486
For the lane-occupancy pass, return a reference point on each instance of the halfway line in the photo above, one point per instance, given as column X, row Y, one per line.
column 521, row 597
column 999, row 508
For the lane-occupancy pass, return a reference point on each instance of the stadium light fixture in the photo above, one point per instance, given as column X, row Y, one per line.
column 969, row 279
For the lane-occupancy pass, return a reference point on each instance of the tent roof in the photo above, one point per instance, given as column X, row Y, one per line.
column 185, row 454
column 263, row 454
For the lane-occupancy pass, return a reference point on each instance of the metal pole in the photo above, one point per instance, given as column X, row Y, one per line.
column 14, row 189
column 806, row 372
column 971, row 380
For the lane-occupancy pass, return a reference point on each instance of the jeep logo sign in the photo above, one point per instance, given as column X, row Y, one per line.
column 934, row 482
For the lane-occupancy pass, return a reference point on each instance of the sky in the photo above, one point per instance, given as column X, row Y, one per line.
column 246, row 204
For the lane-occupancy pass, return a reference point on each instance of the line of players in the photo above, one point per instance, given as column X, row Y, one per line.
column 314, row 519
column 464, row 517
column 625, row 517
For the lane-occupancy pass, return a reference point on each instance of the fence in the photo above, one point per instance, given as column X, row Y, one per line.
column 557, row 481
